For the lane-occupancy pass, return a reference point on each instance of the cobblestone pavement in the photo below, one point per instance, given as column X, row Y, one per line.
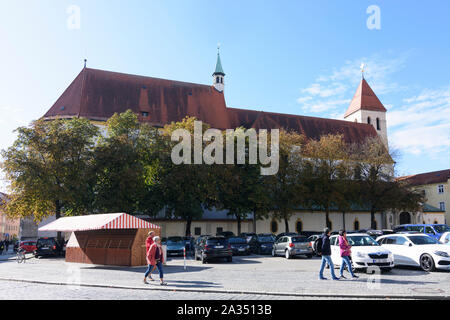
column 254, row 275
column 12, row 290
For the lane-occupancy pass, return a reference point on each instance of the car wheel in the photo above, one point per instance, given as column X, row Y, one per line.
column 309, row 256
column 427, row 263
column 287, row 254
column 203, row 259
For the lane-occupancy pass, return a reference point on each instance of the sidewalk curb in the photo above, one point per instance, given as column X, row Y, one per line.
column 266, row 293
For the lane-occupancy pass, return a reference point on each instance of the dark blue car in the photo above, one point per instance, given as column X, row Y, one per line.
column 433, row 230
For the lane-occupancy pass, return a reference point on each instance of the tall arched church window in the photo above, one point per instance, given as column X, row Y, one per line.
column 368, row 120
column 378, row 124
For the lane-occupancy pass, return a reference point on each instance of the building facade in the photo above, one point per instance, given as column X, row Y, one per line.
column 9, row 228
column 98, row 94
column 436, row 188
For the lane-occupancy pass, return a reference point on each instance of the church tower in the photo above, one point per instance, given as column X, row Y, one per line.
column 218, row 75
column 365, row 107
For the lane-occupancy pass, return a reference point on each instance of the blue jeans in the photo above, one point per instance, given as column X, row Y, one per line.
column 150, row 268
column 346, row 261
column 325, row 260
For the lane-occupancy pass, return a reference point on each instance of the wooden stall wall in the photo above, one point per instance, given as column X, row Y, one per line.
column 105, row 247
column 138, row 254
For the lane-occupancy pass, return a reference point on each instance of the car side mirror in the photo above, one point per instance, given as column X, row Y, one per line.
column 410, row 244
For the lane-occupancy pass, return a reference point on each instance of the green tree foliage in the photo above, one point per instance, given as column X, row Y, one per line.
column 48, row 168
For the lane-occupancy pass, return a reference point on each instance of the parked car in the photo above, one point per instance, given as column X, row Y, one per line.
column 213, row 247
column 262, row 243
column 48, row 246
column 239, row 246
column 226, row 234
column 189, row 243
column 433, row 230
column 278, row 236
column 293, row 245
column 366, row 252
column 419, row 250
column 309, row 233
column 445, row 238
column 175, row 246
column 28, row 246
column 312, row 239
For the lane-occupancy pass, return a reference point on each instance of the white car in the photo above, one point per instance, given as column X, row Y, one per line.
column 366, row 252
column 417, row 250
column 445, row 238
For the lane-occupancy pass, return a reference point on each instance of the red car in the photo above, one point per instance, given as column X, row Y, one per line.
column 28, row 246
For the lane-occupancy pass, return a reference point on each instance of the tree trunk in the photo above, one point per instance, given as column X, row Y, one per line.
column 372, row 218
column 57, row 216
column 188, row 226
column 343, row 220
column 327, row 218
column 286, row 225
column 238, row 219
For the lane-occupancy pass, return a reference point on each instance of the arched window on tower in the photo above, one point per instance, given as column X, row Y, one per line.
column 217, row 80
column 378, row 124
column 368, row 120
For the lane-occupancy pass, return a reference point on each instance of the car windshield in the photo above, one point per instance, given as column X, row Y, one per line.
column 265, row 239
column 415, row 228
column 299, row 239
column 419, row 240
column 441, row 228
column 361, row 241
column 237, row 240
column 45, row 242
column 175, row 241
column 216, row 242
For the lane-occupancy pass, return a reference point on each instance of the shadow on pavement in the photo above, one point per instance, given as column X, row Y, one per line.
column 190, row 284
column 167, row 268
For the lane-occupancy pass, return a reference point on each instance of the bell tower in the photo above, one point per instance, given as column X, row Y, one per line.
column 365, row 107
column 218, row 75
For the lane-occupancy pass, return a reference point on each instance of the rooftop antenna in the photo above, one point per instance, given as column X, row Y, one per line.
column 362, row 70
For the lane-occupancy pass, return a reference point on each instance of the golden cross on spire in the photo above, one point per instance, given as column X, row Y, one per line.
column 362, row 69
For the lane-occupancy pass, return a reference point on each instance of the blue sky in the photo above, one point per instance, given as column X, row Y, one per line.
column 299, row 57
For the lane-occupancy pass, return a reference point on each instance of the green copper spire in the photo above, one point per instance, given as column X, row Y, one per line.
column 219, row 69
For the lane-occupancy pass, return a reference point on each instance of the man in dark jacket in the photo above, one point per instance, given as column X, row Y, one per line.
column 326, row 255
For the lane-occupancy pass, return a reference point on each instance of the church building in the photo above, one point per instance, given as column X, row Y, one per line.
column 98, row 94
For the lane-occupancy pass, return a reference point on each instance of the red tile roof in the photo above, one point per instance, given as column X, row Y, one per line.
column 426, row 178
column 97, row 95
column 364, row 99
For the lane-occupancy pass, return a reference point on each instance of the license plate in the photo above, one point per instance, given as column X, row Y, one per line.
column 241, row 249
column 219, row 247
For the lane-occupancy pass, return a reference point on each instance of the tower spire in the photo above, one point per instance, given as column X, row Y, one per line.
column 218, row 75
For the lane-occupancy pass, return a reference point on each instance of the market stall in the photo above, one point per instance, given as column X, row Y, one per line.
column 107, row 239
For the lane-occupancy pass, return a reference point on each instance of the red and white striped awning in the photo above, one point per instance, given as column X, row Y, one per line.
column 98, row 222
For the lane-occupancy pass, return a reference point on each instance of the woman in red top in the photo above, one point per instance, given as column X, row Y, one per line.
column 149, row 241
column 155, row 259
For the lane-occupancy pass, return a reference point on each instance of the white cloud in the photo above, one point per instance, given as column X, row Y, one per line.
column 332, row 92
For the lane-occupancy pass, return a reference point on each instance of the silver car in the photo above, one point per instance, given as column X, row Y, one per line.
column 290, row 246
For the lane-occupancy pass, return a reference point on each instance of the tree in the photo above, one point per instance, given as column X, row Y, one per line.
column 375, row 175
column 325, row 160
column 48, row 169
column 123, row 163
column 184, row 188
column 286, row 188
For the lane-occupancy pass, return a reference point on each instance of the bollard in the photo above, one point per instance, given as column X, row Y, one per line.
column 184, row 255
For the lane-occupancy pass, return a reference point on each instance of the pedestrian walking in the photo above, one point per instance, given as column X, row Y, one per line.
column 149, row 241
column 7, row 245
column 326, row 255
column 155, row 259
column 345, row 249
